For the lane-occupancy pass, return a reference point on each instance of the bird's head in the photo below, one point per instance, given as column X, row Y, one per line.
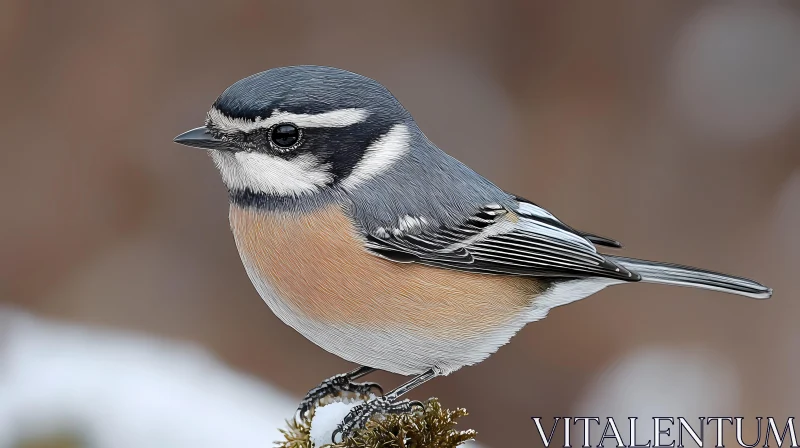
column 295, row 131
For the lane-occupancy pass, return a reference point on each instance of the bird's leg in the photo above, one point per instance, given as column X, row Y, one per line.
column 387, row 404
column 337, row 384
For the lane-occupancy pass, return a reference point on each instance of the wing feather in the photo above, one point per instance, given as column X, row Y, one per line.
column 525, row 241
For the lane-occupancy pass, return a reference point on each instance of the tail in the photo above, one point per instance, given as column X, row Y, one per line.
column 673, row 274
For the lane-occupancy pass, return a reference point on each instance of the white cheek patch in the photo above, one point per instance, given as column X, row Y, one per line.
column 333, row 119
column 263, row 173
column 380, row 155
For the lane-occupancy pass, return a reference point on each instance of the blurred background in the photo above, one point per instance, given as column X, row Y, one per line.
column 127, row 320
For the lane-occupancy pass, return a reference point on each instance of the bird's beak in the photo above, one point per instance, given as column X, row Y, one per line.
column 200, row 138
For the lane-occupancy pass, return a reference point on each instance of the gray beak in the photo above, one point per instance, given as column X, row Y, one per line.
column 200, row 138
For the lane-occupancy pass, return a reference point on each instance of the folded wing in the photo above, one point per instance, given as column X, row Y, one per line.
column 527, row 241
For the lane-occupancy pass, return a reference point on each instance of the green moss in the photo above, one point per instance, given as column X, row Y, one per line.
column 432, row 428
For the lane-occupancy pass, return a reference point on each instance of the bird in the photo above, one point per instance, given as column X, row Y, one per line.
column 377, row 246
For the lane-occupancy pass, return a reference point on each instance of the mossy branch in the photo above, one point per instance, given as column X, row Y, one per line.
column 433, row 427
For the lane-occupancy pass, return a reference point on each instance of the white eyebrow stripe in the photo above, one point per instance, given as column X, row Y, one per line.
column 381, row 154
column 333, row 119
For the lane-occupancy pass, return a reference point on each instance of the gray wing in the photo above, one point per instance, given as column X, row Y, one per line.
column 526, row 241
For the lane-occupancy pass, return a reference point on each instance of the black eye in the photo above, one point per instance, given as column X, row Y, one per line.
column 284, row 135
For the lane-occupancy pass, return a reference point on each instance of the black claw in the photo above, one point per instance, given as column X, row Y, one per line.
column 333, row 386
column 336, row 431
column 362, row 413
column 371, row 386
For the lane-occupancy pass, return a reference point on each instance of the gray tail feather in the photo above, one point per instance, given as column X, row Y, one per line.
column 673, row 274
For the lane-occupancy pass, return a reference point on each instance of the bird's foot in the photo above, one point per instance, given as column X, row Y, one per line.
column 336, row 385
column 360, row 414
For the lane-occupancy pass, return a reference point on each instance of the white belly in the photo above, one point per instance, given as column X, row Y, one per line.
column 408, row 350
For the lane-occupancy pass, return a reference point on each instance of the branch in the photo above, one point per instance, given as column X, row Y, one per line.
column 432, row 428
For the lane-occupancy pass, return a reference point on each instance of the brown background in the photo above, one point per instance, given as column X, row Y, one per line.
column 671, row 126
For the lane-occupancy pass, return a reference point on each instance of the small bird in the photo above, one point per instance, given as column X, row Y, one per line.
column 370, row 241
